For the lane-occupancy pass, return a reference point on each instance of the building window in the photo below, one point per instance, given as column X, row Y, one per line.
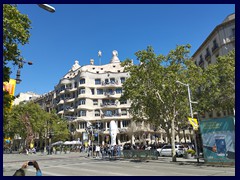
column 108, row 113
column 125, row 123
column 82, row 81
column 123, row 102
column 81, row 91
column 97, row 112
column 106, row 81
column 207, row 55
column 97, row 81
column 215, row 45
column 92, row 90
column 83, row 125
column 124, row 112
column 62, row 88
column 201, row 61
column 82, row 101
column 82, row 113
column 233, row 34
column 75, row 85
column 122, row 79
column 112, row 80
column 95, row 102
column 118, row 90
column 99, row 91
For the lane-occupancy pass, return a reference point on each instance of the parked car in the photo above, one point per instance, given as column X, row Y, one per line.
column 166, row 150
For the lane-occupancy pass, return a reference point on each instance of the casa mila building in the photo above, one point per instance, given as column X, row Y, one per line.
column 91, row 94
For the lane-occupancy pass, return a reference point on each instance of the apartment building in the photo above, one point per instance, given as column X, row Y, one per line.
column 25, row 97
column 219, row 42
column 91, row 93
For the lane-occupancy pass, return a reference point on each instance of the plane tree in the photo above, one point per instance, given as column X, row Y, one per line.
column 152, row 89
column 16, row 32
column 217, row 90
column 30, row 122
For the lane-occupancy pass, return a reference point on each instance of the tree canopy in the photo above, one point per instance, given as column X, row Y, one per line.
column 16, row 28
column 41, row 122
column 158, row 99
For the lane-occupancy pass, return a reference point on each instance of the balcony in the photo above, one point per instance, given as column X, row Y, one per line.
column 69, row 99
column 111, row 83
column 60, row 102
column 69, row 108
column 109, row 93
column 108, row 104
column 110, row 115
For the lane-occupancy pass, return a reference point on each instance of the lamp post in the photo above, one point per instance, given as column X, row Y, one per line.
column 98, row 125
column 20, row 65
column 47, row 7
column 191, row 112
column 50, row 135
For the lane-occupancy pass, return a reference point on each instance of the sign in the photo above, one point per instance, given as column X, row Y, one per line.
column 193, row 122
column 218, row 136
column 85, row 136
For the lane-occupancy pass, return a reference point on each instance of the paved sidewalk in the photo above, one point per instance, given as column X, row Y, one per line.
column 20, row 158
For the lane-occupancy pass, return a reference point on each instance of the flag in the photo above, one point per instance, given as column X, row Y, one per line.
column 193, row 122
column 10, row 87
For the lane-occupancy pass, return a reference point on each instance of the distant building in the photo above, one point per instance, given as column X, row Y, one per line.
column 25, row 97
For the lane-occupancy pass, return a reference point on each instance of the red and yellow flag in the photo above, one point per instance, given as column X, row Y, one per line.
column 10, row 87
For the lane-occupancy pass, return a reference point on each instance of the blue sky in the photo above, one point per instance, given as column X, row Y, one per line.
column 79, row 31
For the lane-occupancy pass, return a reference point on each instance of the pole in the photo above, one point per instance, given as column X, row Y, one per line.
column 194, row 134
column 92, row 140
column 98, row 132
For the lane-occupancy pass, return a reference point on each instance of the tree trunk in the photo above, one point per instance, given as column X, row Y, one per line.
column 174, row 159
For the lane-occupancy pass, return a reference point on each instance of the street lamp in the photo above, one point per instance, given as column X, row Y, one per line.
column 191, row 112
column 98, row 125
column 47, row 7
column 50, row 135
column 20, row 65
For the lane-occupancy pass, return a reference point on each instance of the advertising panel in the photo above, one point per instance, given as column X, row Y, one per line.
column 218, row 136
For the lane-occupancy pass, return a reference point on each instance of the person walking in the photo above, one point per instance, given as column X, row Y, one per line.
column 97, row 151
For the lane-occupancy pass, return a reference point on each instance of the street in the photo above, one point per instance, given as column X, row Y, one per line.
column 77, row 164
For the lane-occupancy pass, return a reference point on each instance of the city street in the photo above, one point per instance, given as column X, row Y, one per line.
column 77, row 164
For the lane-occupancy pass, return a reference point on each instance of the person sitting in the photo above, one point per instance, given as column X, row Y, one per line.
column 21, row 171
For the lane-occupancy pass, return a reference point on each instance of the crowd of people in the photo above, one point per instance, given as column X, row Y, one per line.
column 102, row 151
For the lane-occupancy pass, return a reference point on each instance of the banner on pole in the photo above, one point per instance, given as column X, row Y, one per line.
column 10, row 88
column 193, row 122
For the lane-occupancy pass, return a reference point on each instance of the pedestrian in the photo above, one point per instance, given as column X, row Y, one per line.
column 97, row 151
column 119, row 150
column 21, row 171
